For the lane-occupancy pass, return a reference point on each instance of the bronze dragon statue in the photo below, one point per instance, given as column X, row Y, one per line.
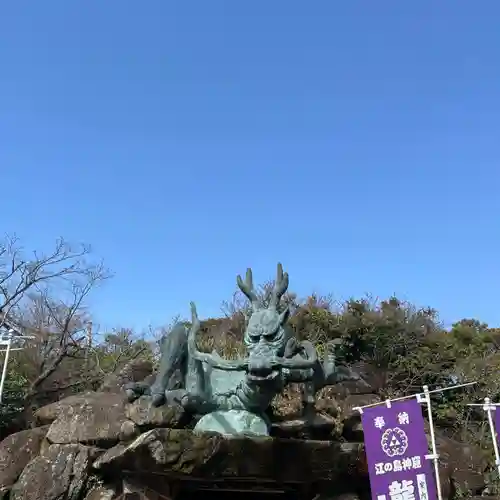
column 205, row 382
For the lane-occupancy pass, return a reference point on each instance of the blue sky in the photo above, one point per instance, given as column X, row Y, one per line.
column 357, row 142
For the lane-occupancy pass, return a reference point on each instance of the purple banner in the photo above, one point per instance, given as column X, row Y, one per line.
column 396, row 446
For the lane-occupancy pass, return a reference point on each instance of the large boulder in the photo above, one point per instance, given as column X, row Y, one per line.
column 102, row 419
column 146, row 416
column 335, row 416
column 94, row 419
column 134, row 371
column 47, row 414
column 351, row 418
column 60, row 473
column 16, row 451
column 464, row 464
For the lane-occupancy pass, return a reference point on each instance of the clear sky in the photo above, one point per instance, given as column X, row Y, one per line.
column 358, row 142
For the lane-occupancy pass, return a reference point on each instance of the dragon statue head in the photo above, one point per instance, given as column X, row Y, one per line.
column 267, row 337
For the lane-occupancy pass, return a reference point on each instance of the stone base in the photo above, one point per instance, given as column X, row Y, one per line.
column 184, row 455
column 233, row 423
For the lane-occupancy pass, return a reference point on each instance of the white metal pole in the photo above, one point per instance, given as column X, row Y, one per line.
column 489, row 409
column 434, row 456
column 5, row 363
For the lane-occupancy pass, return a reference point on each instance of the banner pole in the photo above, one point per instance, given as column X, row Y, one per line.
column 488, row 408
column 434, row 456
column 5, row 364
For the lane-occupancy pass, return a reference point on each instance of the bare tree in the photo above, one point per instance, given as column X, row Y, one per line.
column 44, row 294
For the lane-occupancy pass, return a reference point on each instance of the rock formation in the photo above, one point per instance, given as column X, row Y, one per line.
column 98, row 446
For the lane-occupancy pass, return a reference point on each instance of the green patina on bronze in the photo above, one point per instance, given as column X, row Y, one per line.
column 206, row 384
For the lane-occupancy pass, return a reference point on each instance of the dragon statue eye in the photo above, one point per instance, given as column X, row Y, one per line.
column 253, row 336
column 270, row 336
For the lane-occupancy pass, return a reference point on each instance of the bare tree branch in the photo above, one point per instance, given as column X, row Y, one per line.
column 20, row 274
column 44, row 294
